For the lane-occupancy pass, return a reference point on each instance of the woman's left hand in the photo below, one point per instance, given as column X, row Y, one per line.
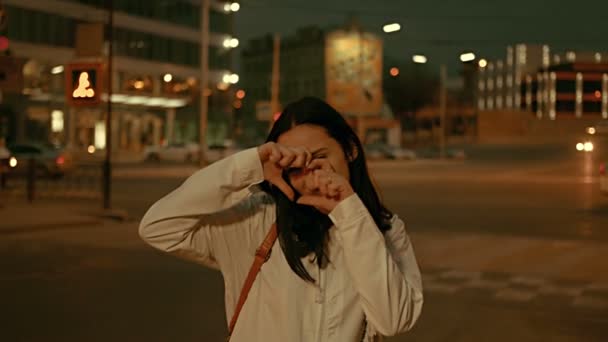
column 331, row 188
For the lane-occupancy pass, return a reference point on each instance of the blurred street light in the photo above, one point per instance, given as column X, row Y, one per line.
column 232, row 7
column 57, row 70
column 483, row 63
column 230, row 78
column 389, row 28
column 231, row 42
column 467, row 57
column 240, row 94
column 420, row 59
column 394, row 71
column 167, row 78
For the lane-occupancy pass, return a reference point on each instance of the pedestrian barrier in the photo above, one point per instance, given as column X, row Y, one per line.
column 83, row 181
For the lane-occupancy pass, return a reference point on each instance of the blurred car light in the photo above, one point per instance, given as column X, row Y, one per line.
column 12, row 162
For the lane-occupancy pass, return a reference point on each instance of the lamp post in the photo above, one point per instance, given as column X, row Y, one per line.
column 202, row 132
column 107, row 165
column 421, row 59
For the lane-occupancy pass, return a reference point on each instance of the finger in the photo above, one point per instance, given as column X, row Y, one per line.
column 300, row 159
column 308, row 156
column 285, row 188
column 265, row 150
column 287, row 157
column 323, row 181
column 333, row 190
column 275, row 154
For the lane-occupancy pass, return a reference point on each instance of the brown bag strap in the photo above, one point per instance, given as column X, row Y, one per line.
column 262, row 254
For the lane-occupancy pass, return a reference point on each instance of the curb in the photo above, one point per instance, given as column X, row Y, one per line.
column 16, row 229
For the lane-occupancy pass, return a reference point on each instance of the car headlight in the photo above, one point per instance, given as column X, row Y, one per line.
column 580, row 146
column 588, row 146
column 12, row 162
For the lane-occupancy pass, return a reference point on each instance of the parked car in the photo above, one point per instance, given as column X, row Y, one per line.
column 180, row 152
column 383, row 151
column 7, row 161
column 186, row 152
column 435, row 152
column 51, row 160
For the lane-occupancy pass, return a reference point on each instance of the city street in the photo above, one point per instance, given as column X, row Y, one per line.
column 510, row 243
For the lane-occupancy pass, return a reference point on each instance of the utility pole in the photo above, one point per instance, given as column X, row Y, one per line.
column 107, row 166
column 276, row 76
column 442, row 108
column 204, row 82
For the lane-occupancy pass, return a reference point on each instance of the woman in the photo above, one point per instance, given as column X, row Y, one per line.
column 344, row 268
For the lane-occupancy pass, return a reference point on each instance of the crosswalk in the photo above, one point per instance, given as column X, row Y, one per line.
column 516, row 269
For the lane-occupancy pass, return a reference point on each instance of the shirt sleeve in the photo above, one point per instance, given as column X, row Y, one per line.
column 383, row 268
column 197, row 220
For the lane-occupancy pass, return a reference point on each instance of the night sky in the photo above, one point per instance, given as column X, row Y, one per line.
column 442, row 29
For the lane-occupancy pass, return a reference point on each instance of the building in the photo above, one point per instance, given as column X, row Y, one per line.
column 155, row 78
column 342, row 66
column 301, row 63
column 500, row 81
column 569, row 84
column 569, row 90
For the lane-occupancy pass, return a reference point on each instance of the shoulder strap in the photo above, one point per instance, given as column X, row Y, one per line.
column 262, row 254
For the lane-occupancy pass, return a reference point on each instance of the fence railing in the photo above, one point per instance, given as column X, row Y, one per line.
column 82, row 181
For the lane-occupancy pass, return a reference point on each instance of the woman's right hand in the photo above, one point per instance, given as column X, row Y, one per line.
column 276, row 158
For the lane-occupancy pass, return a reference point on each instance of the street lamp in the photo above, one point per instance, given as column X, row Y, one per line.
column 390, row 28
column 419, row 59
column 467, row 57
column 230, row 43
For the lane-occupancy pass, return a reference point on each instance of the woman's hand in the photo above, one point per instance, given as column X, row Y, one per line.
column 331, row 187
column 276, row 158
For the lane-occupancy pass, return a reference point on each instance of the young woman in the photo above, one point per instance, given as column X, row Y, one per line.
column 344, row 268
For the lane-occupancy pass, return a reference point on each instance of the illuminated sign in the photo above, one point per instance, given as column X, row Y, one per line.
column 83, row 84
column 353, row 72
column 83, row 89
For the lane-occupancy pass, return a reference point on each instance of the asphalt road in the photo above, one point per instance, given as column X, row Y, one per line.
column 102, row 284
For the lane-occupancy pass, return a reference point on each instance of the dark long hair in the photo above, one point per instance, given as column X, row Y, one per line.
column 302, row 229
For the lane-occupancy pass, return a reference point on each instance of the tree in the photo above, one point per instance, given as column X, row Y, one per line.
column 413, row 88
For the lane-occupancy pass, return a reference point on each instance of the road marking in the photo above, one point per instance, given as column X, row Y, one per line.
column 515, row 295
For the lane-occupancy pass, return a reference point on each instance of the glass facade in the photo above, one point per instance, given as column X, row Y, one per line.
column 38, row 27
column 168, row 50
column 177, row 12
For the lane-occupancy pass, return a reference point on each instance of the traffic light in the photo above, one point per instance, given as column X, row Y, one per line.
column 4, row 41
column 83, row 84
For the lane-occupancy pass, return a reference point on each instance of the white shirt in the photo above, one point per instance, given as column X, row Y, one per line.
column 218, row 218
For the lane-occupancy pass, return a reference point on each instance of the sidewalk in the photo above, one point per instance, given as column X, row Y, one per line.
column 18, row 216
